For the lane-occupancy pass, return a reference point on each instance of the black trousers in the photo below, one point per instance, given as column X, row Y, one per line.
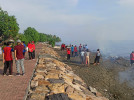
column 33, row 53
column 8, row 64
column 30, row 55
column 97, row 59
column 68, row 56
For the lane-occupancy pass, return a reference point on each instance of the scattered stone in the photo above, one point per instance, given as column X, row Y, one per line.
column 34, row 84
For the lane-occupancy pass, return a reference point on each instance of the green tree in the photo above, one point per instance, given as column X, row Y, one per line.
column 8, row 25
column 31, row 34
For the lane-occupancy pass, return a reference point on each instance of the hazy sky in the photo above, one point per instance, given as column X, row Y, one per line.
column 76, row 19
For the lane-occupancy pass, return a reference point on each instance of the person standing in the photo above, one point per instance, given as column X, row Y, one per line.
column 132, row 58
column 86, row 47
column 30, row 50
column 88, row 57
column 18, row 52
column 33, row 46
column 80, row 47
column 7, row 59
column 82, row 56
column 24, row 50
column 68, row 53
column 97, row 58
column 72, row 50
column 75, row 50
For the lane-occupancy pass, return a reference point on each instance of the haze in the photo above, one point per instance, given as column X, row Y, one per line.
column 76, row 20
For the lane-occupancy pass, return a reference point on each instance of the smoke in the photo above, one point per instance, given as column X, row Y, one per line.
column 127, row 76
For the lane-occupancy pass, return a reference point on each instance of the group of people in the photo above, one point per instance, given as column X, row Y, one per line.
column 83, row 52
column 19, row 54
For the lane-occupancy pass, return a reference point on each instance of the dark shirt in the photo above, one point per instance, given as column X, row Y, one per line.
column 19, row 51
column 8, row 53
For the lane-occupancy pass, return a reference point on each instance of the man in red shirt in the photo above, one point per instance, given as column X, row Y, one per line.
column 19, row 57
column 7, row 58
column 75, row 50
column 33, row 53
column 68, row 53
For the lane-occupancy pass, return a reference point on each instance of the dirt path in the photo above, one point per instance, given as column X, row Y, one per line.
column 14, row 87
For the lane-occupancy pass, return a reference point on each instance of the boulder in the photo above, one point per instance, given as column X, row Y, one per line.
column 57, row 88
column 56, row 80
column 52, row 76
column 41, row 89
column 38, row 77
column 37, row 96
column 69, row 89
column 43, row 82
column 76, row 97
column 34, row 84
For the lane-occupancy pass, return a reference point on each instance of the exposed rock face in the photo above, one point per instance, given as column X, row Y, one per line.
column 53, row 78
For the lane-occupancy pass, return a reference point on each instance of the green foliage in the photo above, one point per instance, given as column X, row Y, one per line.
column 31, row 34
column 22, row 37
column 8, row 25
column 9, row 28
column 52, row 42
column 42, row 37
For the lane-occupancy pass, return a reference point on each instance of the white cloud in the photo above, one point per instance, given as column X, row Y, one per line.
column 126, row 2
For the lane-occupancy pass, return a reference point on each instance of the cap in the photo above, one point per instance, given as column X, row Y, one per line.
column 18, row 40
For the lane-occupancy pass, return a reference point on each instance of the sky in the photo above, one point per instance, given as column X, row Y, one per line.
column 75, row 20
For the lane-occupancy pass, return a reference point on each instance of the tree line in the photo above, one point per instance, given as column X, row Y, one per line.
column 9, row 28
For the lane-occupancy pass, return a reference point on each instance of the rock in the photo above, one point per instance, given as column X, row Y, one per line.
column 39, row 70
column 43, row 82
column 42, row 89
column 69, row 89
column 60, row 96
column 52, row 76
column 41, row 66
column 93, row 90
column 68, row 68
column 58, row 63
column 40, row 73
column 87, row 92
column 68, row 79
column 55, row 72
column 38, row 77
column 56, row 80
column 98, row 94
column 35, row 96
column 77, row 81
column 76, row 97
column 57, row 88
column 34, row 84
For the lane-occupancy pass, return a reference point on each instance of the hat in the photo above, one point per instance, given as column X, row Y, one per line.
column 18, row 41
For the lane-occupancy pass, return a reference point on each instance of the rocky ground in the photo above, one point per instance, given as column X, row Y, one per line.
column 104, row 77
column 55, row 80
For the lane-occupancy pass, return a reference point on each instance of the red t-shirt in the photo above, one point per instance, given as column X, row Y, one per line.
column 7, row 53
column 19, row 51
column 68, row 51
column 33, row 45
column 75, row 49
column 30, row 47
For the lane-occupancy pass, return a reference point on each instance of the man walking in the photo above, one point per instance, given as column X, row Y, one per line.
column 18, row 51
